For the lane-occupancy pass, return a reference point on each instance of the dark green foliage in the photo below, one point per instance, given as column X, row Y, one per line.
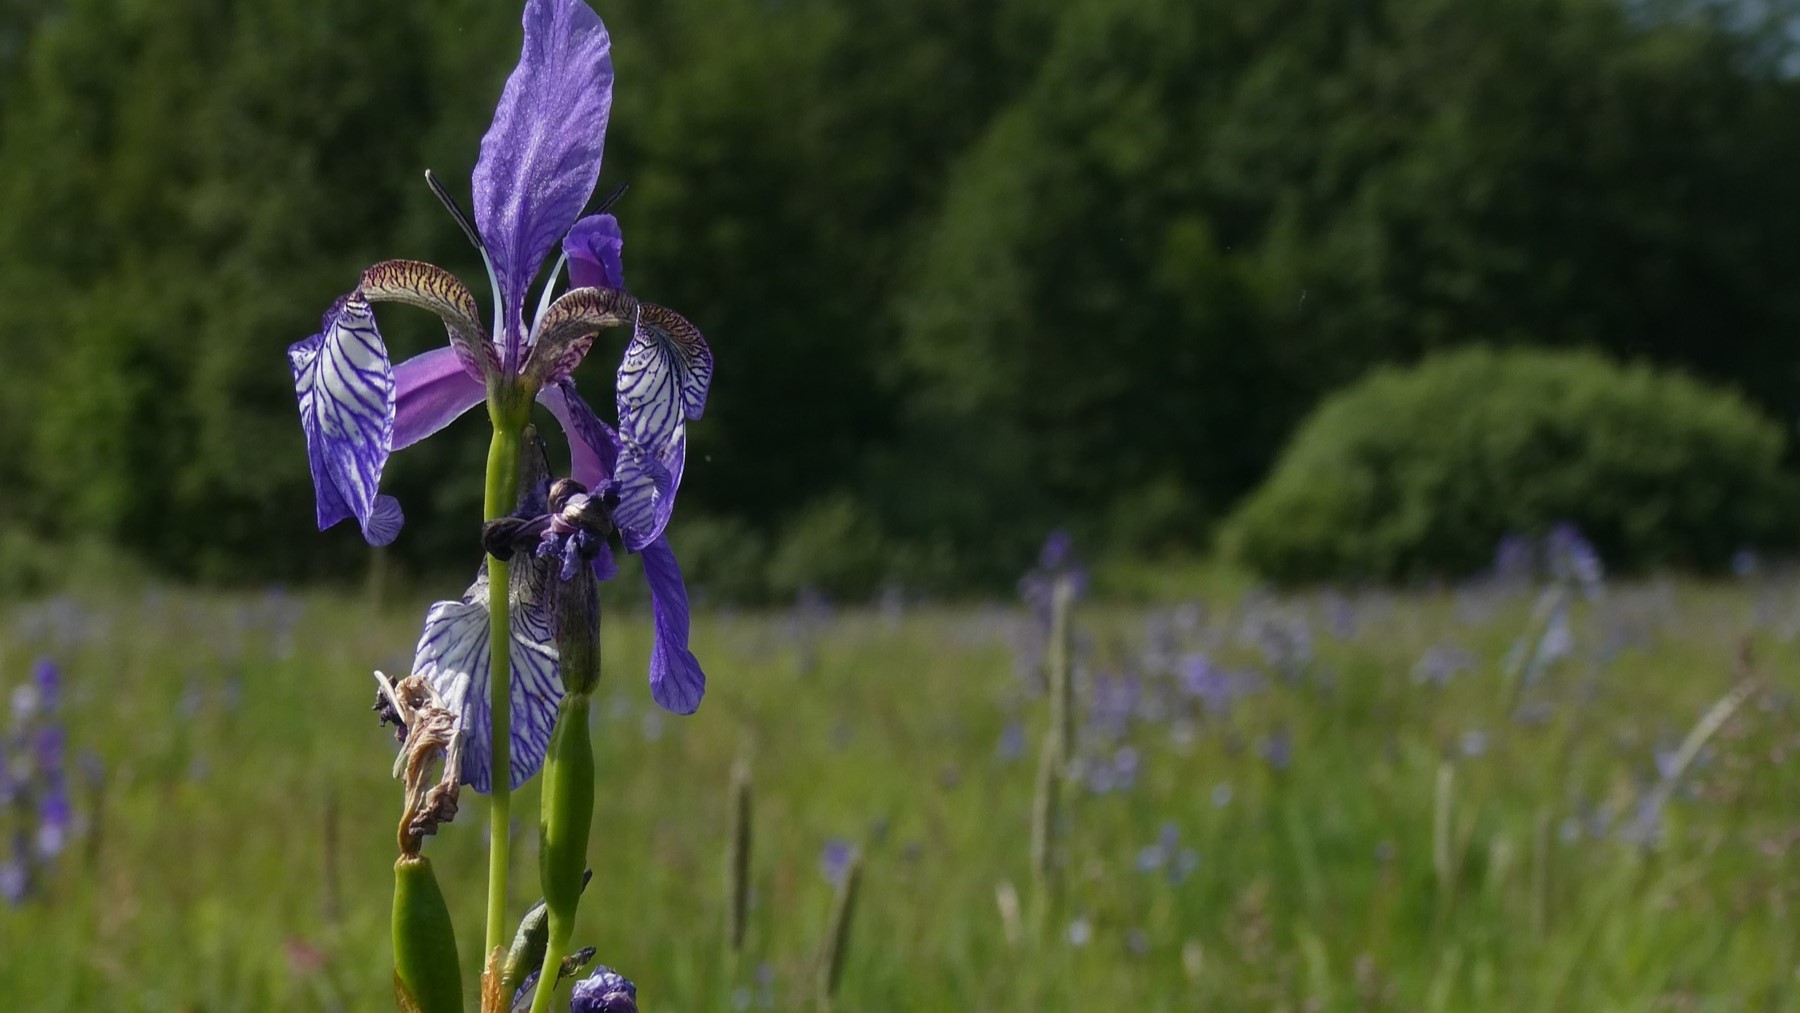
column 1201, row 217
column 971, row 268
column 1422, row 471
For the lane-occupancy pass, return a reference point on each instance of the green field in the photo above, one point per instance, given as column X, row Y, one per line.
column 1351, row 834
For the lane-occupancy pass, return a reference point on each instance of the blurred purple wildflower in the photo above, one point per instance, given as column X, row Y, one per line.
column 1744, row 563
column 15, row 873
column 834, row 860
column 1515, row 560
column 1645, row 828
column 1125, row 767
column 55, row 820
column 34, row 782
column 1012, row 742
column 47, row 678
column 1441, row 663
column 1340, row 614
column 1057, row 565
column 1572, row 559
column 1278, row 749
column 1167, row 856
column 1473, row 743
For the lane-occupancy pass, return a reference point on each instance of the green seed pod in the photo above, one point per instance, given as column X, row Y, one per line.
column 568, row 812
column 527, row 953
column 425, row 963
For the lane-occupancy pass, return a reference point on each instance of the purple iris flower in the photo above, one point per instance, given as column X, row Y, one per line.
column 538, row 166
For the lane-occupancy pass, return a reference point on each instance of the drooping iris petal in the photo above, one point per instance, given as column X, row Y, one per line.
column 593, row 446
column 676, row 681
column 433, row 390
column 541, row 156
column 563, row 334
column 663, row 379
column 594, row 246
column 646, row 488
column 453, row 657
column 345, row 386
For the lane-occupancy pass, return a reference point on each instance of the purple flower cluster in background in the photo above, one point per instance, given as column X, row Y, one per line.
column 34, row 784
column 1167, row 856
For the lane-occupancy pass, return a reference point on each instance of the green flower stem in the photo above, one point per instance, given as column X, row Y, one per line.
column 501, row 497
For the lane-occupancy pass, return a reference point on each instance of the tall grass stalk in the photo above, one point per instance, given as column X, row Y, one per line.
column 1055, row 761
column 1443, row 860
column 837, row 937
column 737, row 862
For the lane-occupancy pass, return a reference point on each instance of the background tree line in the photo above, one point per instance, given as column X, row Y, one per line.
column 971, row 268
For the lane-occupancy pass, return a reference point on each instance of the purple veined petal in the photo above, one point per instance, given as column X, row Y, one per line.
column 593, row 446
column 433, row 390
column 594, row 245
column 540, row 158
column 663, row 379
column 345, row 386
column 454, row 658
column 646, row 488
column 385, row 521
column 676, row 681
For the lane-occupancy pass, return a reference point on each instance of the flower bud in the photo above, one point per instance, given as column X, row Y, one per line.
column 568, row 813
column 426, row 971
column 604, row 991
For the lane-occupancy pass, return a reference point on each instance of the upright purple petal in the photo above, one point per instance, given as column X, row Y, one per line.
column 594, row 245
column 433, row 391
column 541, row 156
column 345, row 386
column 676, row 681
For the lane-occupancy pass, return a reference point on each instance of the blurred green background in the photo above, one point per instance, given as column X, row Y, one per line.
column 971, row 268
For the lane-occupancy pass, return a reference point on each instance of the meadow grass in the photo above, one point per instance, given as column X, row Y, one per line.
column 1333, row 831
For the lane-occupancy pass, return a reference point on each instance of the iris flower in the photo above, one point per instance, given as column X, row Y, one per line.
column 538, row 166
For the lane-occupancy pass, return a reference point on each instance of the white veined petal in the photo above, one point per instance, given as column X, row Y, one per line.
column 453, row 657
column 663, row 378
column 345, row 386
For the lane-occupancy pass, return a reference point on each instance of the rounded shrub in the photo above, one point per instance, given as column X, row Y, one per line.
column 1421, row 471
